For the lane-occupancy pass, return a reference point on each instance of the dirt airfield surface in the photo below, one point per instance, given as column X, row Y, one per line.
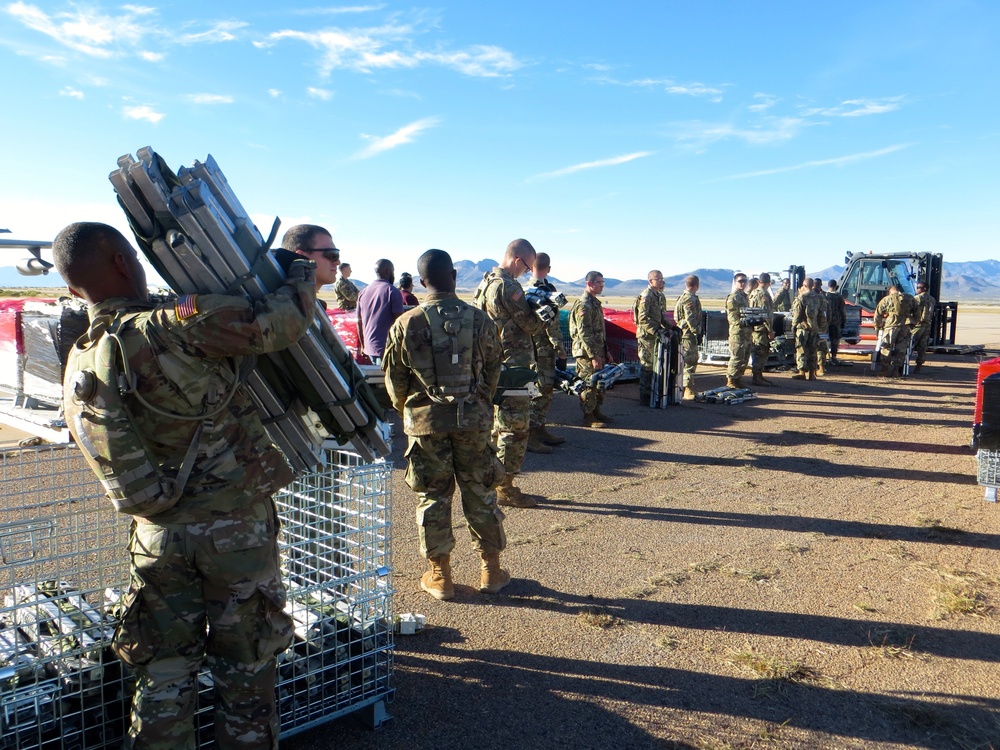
column 815, row 568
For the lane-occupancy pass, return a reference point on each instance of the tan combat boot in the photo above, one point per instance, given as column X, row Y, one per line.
column 732, row 383
column 759, row 379
column 602, row 417
column 821, row 369
column 535, row 444
column 589, row 420
column 511, row 496
column 689, row 394
column 812, row 375
column 437, row 580
column 548, row 438
column 492, row 578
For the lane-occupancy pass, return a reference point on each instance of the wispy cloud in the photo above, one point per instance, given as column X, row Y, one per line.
column 839, row 161
column 670, row 86
column 315, row 92
column 210, row 98
column 71, row 92
column 406, row 134
column 699, row 135
column 338, row 11
column 764, row 102
column 392, row 46
column 857, row 107
column 129, row 31
column 274, row 93
column 142, row 112
column 613, row 161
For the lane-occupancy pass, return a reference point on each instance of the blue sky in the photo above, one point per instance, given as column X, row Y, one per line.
column 614, row 136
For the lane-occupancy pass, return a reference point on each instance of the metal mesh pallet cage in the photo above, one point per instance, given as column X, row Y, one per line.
column 988, row 467
column 64, row 564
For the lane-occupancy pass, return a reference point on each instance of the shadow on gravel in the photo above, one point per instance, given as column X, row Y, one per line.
column 494, row 698
column 793, row 437
column 833, row 527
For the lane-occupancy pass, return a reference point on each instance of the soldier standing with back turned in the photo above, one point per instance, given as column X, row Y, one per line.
column 442, row 363
column 501, row 297
column 688, row 317
column 806, row 319
column 922, row 321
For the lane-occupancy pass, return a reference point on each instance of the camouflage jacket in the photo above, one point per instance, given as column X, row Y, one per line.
column 185, row 355
column 895, row 310
column 687, row 313
column 411, row 346
column 650, row 309
column 586, row 326
column 807, row 313
column 346, row 293
column 734, row 303
column 501, row 296
column 924, row 315
column 549, row 341
column 838, row 314
column 783, row 300
column 823, row 319
column 760, row 298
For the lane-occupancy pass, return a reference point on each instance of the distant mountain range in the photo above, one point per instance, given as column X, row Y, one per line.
column 973, row 280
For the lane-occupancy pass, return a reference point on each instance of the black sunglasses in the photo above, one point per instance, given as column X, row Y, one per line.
column 330, row 255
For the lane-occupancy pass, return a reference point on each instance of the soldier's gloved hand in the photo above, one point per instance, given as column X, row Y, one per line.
column 285, row 258
column 561, row 363
column 302, row 269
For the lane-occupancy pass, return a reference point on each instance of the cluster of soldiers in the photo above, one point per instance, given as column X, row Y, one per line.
column 443, row 362
column 903, row 322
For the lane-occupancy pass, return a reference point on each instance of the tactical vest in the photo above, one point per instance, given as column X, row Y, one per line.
column 447, row 369
column 97, row 389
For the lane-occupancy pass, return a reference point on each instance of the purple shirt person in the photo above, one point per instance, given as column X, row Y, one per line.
column 379, row 304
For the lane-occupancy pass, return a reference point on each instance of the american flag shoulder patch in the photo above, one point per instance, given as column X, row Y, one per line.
column 517, row 295
column 186, row 306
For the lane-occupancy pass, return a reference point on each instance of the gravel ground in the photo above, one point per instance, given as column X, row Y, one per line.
column 812, row 569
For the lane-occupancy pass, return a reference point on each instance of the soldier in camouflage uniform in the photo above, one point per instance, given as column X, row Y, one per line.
column 739, row 334
column 650, row 324
column 316, row 243
column 783, row 300
column 442, row 363
column 893, row 317
column 922, row 321
column 548, row 350
column 807, row 320
column 502, row 298
column 823, row 344
column 838, row 317
column 688, row 317
column 344, row 290
column 586, row 327
column 206, row 586
column 762, row 335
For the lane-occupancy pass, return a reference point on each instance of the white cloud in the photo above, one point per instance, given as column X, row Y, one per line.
column 219, row 31
column 857, row 107
column 405, row 134
column 318, row 93
column 835, row 162
column 764, row 102
column 339, row 11
column 142, row 112
column 712, row 93
column 771, row 130
column 390, row 46
column 274, row 93
column 71, row 92
column 152, row 56
column 210, row 98
column 613, row 161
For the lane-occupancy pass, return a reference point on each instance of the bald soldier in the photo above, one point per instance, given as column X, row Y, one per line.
column 442, row 363
column 501, row 297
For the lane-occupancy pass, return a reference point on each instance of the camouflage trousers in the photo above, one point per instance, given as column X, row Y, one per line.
column 895, row 343
column 822, row 351
column 739, row 353
column 921, row 337
column 590, row 398
column 207, row 592
column 761, row 350
column 511, row 422
column 647, row 363
column 436, row 463
column 689, row 353
column 806, row 343
column 834, row 340
column 545, row 366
